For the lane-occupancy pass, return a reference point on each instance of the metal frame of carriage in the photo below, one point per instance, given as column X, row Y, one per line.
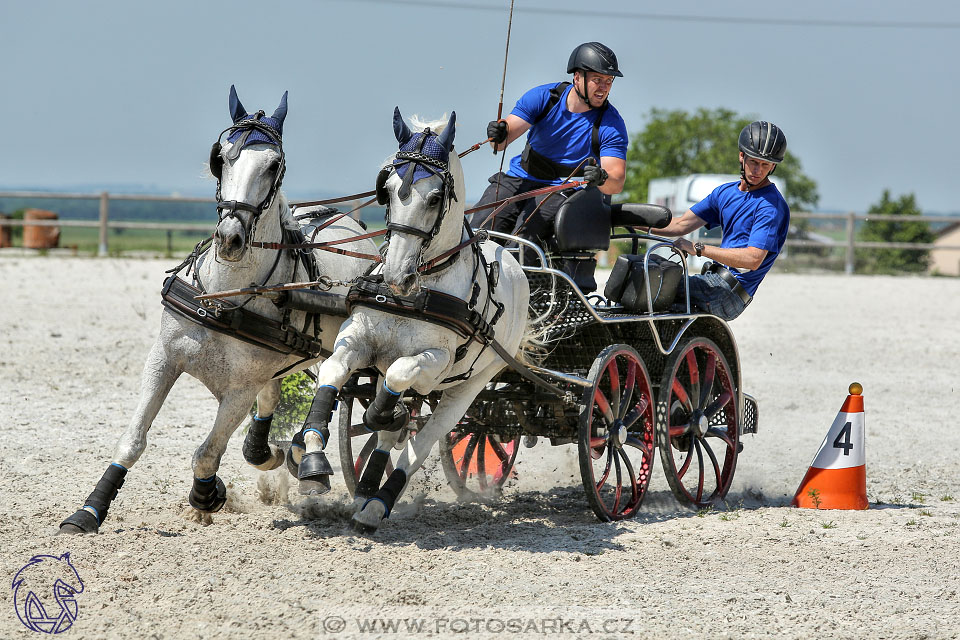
column 621, row 386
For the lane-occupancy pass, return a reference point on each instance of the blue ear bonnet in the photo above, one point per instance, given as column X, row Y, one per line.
column 431, row 148
column 256, row 136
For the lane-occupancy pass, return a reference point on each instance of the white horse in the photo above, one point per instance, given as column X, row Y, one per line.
column 429, row 255
column 249, row 168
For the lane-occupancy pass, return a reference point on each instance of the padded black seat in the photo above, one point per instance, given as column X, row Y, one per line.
column 581, row 228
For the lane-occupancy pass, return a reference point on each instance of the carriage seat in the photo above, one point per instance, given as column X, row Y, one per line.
column 582, row 227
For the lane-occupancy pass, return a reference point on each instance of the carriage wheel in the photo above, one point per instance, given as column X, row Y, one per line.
column 477, row 465
column 357, row 443
column 617, row 434
column 697, row 430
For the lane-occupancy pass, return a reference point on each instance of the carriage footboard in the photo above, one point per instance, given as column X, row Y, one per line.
column 751, row 415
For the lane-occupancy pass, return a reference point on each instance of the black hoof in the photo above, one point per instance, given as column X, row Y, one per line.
column 208, row 496
column 79, row 523
column 390, row 422
column 297, row 443
column 315, row 469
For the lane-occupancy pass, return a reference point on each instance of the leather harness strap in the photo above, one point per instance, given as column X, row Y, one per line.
column 243, row 324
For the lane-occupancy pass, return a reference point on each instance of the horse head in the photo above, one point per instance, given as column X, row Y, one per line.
column 249, row 169
column 423, row 190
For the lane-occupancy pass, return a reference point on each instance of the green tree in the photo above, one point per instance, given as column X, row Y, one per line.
column 895, row 260
column 677, row 143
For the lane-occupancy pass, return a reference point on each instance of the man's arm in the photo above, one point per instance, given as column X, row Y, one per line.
column 682, row 225
column 616, row 169
column 744, row 258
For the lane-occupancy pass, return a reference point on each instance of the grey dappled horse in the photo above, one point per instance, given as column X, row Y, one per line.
column 428, row 248
column 249, row 167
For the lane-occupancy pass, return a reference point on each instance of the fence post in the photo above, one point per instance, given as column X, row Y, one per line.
column 104, row 216
column 851, row 229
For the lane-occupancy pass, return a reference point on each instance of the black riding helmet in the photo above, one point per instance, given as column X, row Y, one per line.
column 593, row 56
column 764, row 141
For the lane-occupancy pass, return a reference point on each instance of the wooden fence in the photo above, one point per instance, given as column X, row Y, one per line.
column 850, row 243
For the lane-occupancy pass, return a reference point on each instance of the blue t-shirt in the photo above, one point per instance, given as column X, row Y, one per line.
column 566, row 137
column 757, row 218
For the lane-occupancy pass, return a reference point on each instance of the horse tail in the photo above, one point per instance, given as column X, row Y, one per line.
column 533, row 344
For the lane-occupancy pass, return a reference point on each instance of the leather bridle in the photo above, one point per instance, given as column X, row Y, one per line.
column 433, row 165
column 229, row 208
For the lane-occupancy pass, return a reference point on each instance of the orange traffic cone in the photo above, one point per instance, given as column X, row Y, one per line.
column 837, row 477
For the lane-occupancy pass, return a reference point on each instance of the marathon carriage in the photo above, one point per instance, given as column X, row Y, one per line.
column 621, row 375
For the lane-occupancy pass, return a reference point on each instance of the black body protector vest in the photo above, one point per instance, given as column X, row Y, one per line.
column 542, row 167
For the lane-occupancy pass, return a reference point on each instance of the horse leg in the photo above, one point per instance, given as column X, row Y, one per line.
column 307, row 460
column 420, row 371
column 373, row 472
column 257, row 451
column 209, row 493
column 158, row 377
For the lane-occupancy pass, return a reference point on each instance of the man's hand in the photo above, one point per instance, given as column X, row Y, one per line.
column 497, row 131
column 684, row 245
column 594, row 175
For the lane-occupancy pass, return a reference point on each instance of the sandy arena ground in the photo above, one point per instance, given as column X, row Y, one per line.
column 74, row 333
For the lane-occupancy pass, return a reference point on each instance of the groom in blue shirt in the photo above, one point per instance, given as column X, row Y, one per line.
column 754, row 219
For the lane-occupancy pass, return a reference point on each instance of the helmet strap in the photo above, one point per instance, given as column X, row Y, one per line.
column 750, row 185
column 583, row 78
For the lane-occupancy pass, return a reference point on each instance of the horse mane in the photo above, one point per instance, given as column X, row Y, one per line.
column 417, row 123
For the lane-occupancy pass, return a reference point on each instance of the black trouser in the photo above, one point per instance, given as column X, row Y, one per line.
column 521, row 218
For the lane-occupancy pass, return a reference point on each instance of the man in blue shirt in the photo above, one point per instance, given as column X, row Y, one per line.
column 753, row 217
column 569, row 125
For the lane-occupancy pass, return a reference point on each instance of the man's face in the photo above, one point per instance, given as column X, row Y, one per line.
column 756, row 170
column 595, row 86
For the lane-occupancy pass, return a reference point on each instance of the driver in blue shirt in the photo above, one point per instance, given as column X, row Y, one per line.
column 569, row 124
column 754, row 219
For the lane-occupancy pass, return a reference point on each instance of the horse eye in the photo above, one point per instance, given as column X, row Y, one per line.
column 433, row 199
column 274, row 166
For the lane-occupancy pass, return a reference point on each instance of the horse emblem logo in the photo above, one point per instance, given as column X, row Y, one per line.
column 44, row 593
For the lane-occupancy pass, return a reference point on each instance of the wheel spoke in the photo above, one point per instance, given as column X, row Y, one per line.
column 613, row 370
column 628, row 389
column 644, row 448
column 464, row 469
column 713, row 432
column 696, row 444
column 716, row 465
column 606, row 470
column 638, row 410
column 634, row 494
column 686, row 463
column 618, row 492
column 681, row 393
column 708, row 376
column 601, row 402
column 364, row 454
column 679, row 430
column 498, row 449
column 693, row 369
column 718, row 404
column 482, row 462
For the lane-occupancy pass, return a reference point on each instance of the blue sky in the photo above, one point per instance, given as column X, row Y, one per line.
column 107, row 94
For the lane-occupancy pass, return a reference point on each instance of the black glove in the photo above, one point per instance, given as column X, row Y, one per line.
column 594, row 175
column 497, row 131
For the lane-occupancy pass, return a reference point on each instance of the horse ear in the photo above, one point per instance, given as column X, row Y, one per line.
column 236, row 109
column 446, row 136
column 400, row 128
column 281, row 111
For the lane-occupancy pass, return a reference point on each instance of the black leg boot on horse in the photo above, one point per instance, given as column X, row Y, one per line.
column 208, row 494
column 94, row 511
column 312, row 468
column 367, row 524
column 256, row 448
column 386, row 412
